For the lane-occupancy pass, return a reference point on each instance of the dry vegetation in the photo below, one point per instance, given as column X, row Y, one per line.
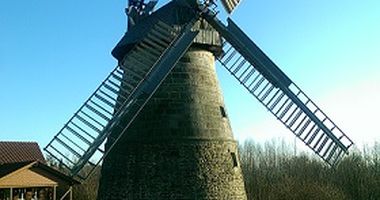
column 272, row 171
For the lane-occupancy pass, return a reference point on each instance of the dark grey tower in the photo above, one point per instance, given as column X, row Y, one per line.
column 181, row 145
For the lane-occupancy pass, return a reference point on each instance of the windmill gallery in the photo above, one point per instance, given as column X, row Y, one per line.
column 157, row 124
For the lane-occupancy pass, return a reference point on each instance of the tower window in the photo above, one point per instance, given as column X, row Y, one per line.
column 223, row 111
column 234, row 159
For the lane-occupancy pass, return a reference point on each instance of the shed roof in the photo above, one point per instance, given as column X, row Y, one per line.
column 11, row 167
column 32, row 174
column 20, row 152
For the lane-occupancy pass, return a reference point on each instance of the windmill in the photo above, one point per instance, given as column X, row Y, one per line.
column 157, row 123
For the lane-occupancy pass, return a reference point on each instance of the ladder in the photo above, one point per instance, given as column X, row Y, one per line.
column 283, row 98
column 80, row 145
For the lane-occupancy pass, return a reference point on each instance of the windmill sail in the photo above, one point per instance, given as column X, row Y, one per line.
column 79, row 144
column 283, row 98
column 230, row 5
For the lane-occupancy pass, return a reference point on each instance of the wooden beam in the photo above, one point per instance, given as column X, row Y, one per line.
column 68, row 192
column 55, row 193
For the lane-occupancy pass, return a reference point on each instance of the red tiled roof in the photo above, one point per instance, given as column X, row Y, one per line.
column 16, row 152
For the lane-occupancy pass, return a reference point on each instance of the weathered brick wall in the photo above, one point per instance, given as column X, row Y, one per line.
column 181, row 145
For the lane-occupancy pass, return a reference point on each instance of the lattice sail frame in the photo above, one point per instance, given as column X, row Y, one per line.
column 230, row 5
column 79, row 145
column 278, row 93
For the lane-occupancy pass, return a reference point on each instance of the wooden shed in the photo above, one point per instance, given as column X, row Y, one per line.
column 24, row 174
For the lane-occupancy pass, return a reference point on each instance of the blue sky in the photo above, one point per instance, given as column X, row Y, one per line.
column 53, row 54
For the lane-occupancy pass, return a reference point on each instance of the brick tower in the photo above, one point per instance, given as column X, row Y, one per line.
column 181, row 145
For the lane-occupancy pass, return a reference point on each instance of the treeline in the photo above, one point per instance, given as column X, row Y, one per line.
column 273, row 171
column 87, row 190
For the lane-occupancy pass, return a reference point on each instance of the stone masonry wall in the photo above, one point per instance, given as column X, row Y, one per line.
column 175, row 170
column 181, row 144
